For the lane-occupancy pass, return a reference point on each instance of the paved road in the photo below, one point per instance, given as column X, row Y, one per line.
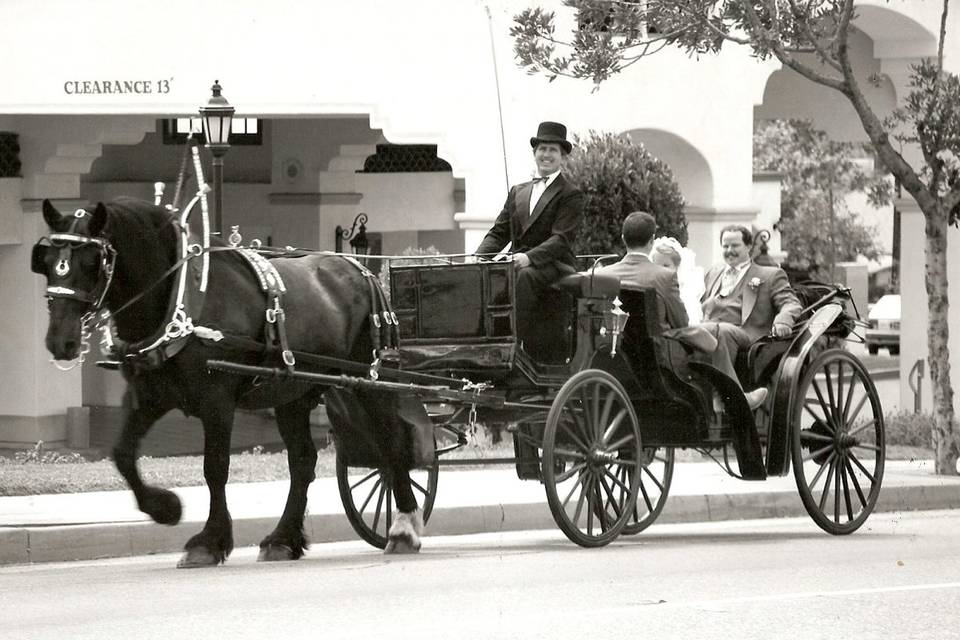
column 899, row 577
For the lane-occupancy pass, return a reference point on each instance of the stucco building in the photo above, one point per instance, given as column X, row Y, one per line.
column 88, row 88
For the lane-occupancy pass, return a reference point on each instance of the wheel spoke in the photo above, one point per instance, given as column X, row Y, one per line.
column 566, row 475
column 807, row 434
column 568, row 433
column 571, row 455
column 592, row 482
column 833, row 403
column 836, row 493
column 827, row 411
column 856, row 483
column 373, row 473
column 376, row 486
column 821, row 419
column 612, row 501
column 826, row 485
column 616, row 480
column 856, row 412
column 615, row 424
column 814, row 454
column 823, row 467
column 646, row 497
column 376, row 514
column 850, row 389
column 857, row 462
column 627, row 439
column 607, row 408
column 862, row 427
column 416, row 485
column 389, row 510
column 576, row 484
column 846, row 490
column 656, row 481
column 870, row 447
column 578, row 417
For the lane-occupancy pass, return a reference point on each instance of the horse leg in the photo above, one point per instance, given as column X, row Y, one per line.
column 407, row 527
column 288, row 541
column 214, row 543
column 160, row 504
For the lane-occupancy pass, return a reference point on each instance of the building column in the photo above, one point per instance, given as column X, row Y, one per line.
column 34, row 401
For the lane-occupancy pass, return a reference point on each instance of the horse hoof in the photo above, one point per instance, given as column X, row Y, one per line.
column 197, row 557
column 275, row 553
column 401, row 545
column 161, row 505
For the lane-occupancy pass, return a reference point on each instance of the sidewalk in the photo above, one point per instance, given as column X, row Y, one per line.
column 61, row 527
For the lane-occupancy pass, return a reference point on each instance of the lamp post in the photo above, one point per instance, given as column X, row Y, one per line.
column 358, row 243
column 217, row 117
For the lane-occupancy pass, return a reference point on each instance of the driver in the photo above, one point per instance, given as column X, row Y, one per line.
column 540, row 219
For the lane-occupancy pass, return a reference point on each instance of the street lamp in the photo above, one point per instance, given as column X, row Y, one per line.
column 358, row 243
column 217, row 117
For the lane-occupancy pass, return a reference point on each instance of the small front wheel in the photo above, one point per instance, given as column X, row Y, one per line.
column 838, row 442
column 592, row 458
column 367, row 496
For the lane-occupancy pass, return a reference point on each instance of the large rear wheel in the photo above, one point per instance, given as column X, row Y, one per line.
column 838, row 442
column 592, row 458
column 367, row 496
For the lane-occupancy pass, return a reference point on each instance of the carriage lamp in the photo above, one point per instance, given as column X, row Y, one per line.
column 614, row 321
column 217, row 116
column 356, row 235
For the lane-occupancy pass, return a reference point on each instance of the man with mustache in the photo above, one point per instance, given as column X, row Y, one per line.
column 744, row 301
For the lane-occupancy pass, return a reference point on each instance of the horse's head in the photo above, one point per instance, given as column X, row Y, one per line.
column 78, row 263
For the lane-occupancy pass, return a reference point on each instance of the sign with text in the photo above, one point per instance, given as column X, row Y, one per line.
column 117, row 87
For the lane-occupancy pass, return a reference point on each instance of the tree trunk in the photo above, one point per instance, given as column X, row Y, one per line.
column 946, row 436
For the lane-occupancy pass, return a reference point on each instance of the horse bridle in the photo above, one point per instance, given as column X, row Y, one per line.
column 66, row 242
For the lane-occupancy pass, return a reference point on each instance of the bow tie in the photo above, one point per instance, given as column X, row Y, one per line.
column 542, row 179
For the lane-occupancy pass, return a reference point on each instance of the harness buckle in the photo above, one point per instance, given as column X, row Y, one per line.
column 375, row 369
column 376, row 320
column 288, row 358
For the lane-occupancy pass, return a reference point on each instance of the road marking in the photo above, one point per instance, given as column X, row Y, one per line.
column 799, row 595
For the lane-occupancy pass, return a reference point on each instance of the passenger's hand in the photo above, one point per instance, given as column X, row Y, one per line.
column 521, row 260
column 781, row 330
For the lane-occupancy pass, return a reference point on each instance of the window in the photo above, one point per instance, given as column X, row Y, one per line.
column 243, row 131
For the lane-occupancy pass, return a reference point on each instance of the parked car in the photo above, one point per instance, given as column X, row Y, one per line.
column 884, row 329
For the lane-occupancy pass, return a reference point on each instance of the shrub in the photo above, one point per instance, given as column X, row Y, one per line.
column 38, row 455
column 909, row 429
column 619, row 177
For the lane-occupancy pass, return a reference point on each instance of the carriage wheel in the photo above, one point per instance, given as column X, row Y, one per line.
column 838, row 445
column 654, row 488
column 593, row 435
column 368, row 498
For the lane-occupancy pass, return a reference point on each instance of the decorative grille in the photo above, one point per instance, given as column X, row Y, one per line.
column 393, row 158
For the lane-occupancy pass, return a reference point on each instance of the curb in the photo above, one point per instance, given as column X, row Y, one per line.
column 35, row 544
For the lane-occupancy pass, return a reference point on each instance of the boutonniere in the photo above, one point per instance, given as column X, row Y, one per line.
column 754, row 283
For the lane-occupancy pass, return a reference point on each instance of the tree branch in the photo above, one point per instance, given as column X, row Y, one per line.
column 825, row 55
column 871, row 123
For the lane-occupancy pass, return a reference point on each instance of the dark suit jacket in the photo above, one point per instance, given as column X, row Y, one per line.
column 546, row 235
column 636, row 271
column 771, row 301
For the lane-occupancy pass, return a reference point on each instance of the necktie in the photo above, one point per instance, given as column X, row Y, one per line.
column 728, row 281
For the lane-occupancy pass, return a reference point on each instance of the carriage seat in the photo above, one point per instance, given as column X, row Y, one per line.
column 589, row 284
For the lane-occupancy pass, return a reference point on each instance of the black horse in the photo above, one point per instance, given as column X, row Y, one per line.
column 123, row 256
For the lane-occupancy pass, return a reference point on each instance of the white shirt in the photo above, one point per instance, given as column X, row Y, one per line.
column 539, row 188
column 741, row 270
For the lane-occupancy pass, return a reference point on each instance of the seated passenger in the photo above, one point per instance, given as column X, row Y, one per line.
column 539, row 219
column 668, row 253
column 743, row 302
column 636, row 270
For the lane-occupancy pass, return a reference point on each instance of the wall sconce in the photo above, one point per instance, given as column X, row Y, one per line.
column 358, row 243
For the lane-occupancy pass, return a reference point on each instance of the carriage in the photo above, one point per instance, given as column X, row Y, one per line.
column 599, row 429
column 208, row 326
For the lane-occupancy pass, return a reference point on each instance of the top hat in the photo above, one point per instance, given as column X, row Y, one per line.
column 551, row 132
